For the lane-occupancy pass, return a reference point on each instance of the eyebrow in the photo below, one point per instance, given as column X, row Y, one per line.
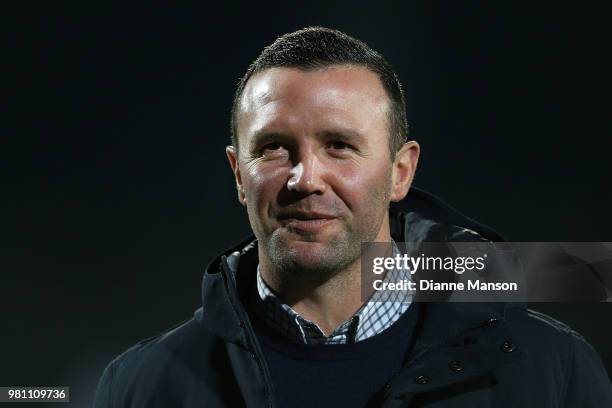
column 262, row 137
column 342, row 134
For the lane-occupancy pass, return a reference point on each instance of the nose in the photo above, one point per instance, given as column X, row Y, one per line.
column 306, row 175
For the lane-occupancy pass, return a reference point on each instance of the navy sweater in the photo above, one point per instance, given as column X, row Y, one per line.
column 335, row 375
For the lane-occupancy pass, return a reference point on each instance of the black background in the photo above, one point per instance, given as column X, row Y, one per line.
column 116, row 190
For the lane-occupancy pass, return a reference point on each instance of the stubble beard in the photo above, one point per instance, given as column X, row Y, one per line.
column 320, row 262
column 327, row 260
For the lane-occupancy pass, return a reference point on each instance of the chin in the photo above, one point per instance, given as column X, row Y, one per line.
column 318, row 269
column 311, row 257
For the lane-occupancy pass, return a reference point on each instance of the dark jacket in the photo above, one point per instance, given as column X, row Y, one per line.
column 464, row 354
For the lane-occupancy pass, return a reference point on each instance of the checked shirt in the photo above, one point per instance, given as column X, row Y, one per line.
column 372, row 318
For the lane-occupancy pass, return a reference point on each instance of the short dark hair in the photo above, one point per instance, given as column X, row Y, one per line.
column 317, row 48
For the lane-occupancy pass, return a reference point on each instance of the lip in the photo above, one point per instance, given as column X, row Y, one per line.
column 307, row 223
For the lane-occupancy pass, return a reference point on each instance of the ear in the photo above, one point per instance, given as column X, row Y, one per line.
column 404, row 167
column 232, row 156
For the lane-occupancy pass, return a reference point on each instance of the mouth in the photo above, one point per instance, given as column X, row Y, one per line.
column 306, row 222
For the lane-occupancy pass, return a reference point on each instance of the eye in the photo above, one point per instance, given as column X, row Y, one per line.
column 272, row 146
column 272, row 149
column 338, row 145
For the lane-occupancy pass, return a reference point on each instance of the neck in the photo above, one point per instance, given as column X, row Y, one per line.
column 327, row 302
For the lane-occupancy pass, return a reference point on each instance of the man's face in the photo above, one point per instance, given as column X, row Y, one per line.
column 313, row 169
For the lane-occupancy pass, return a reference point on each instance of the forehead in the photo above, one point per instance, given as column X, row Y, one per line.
column 342, row 95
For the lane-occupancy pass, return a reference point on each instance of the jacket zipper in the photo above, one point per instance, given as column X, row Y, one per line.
column 245, row 324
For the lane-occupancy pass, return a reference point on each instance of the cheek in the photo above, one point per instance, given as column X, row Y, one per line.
column 363, row 188
column 262, row 184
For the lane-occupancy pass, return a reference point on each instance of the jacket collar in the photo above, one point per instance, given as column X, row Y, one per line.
column 225, row 282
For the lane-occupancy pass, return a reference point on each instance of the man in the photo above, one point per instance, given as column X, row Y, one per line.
column 319, row 152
